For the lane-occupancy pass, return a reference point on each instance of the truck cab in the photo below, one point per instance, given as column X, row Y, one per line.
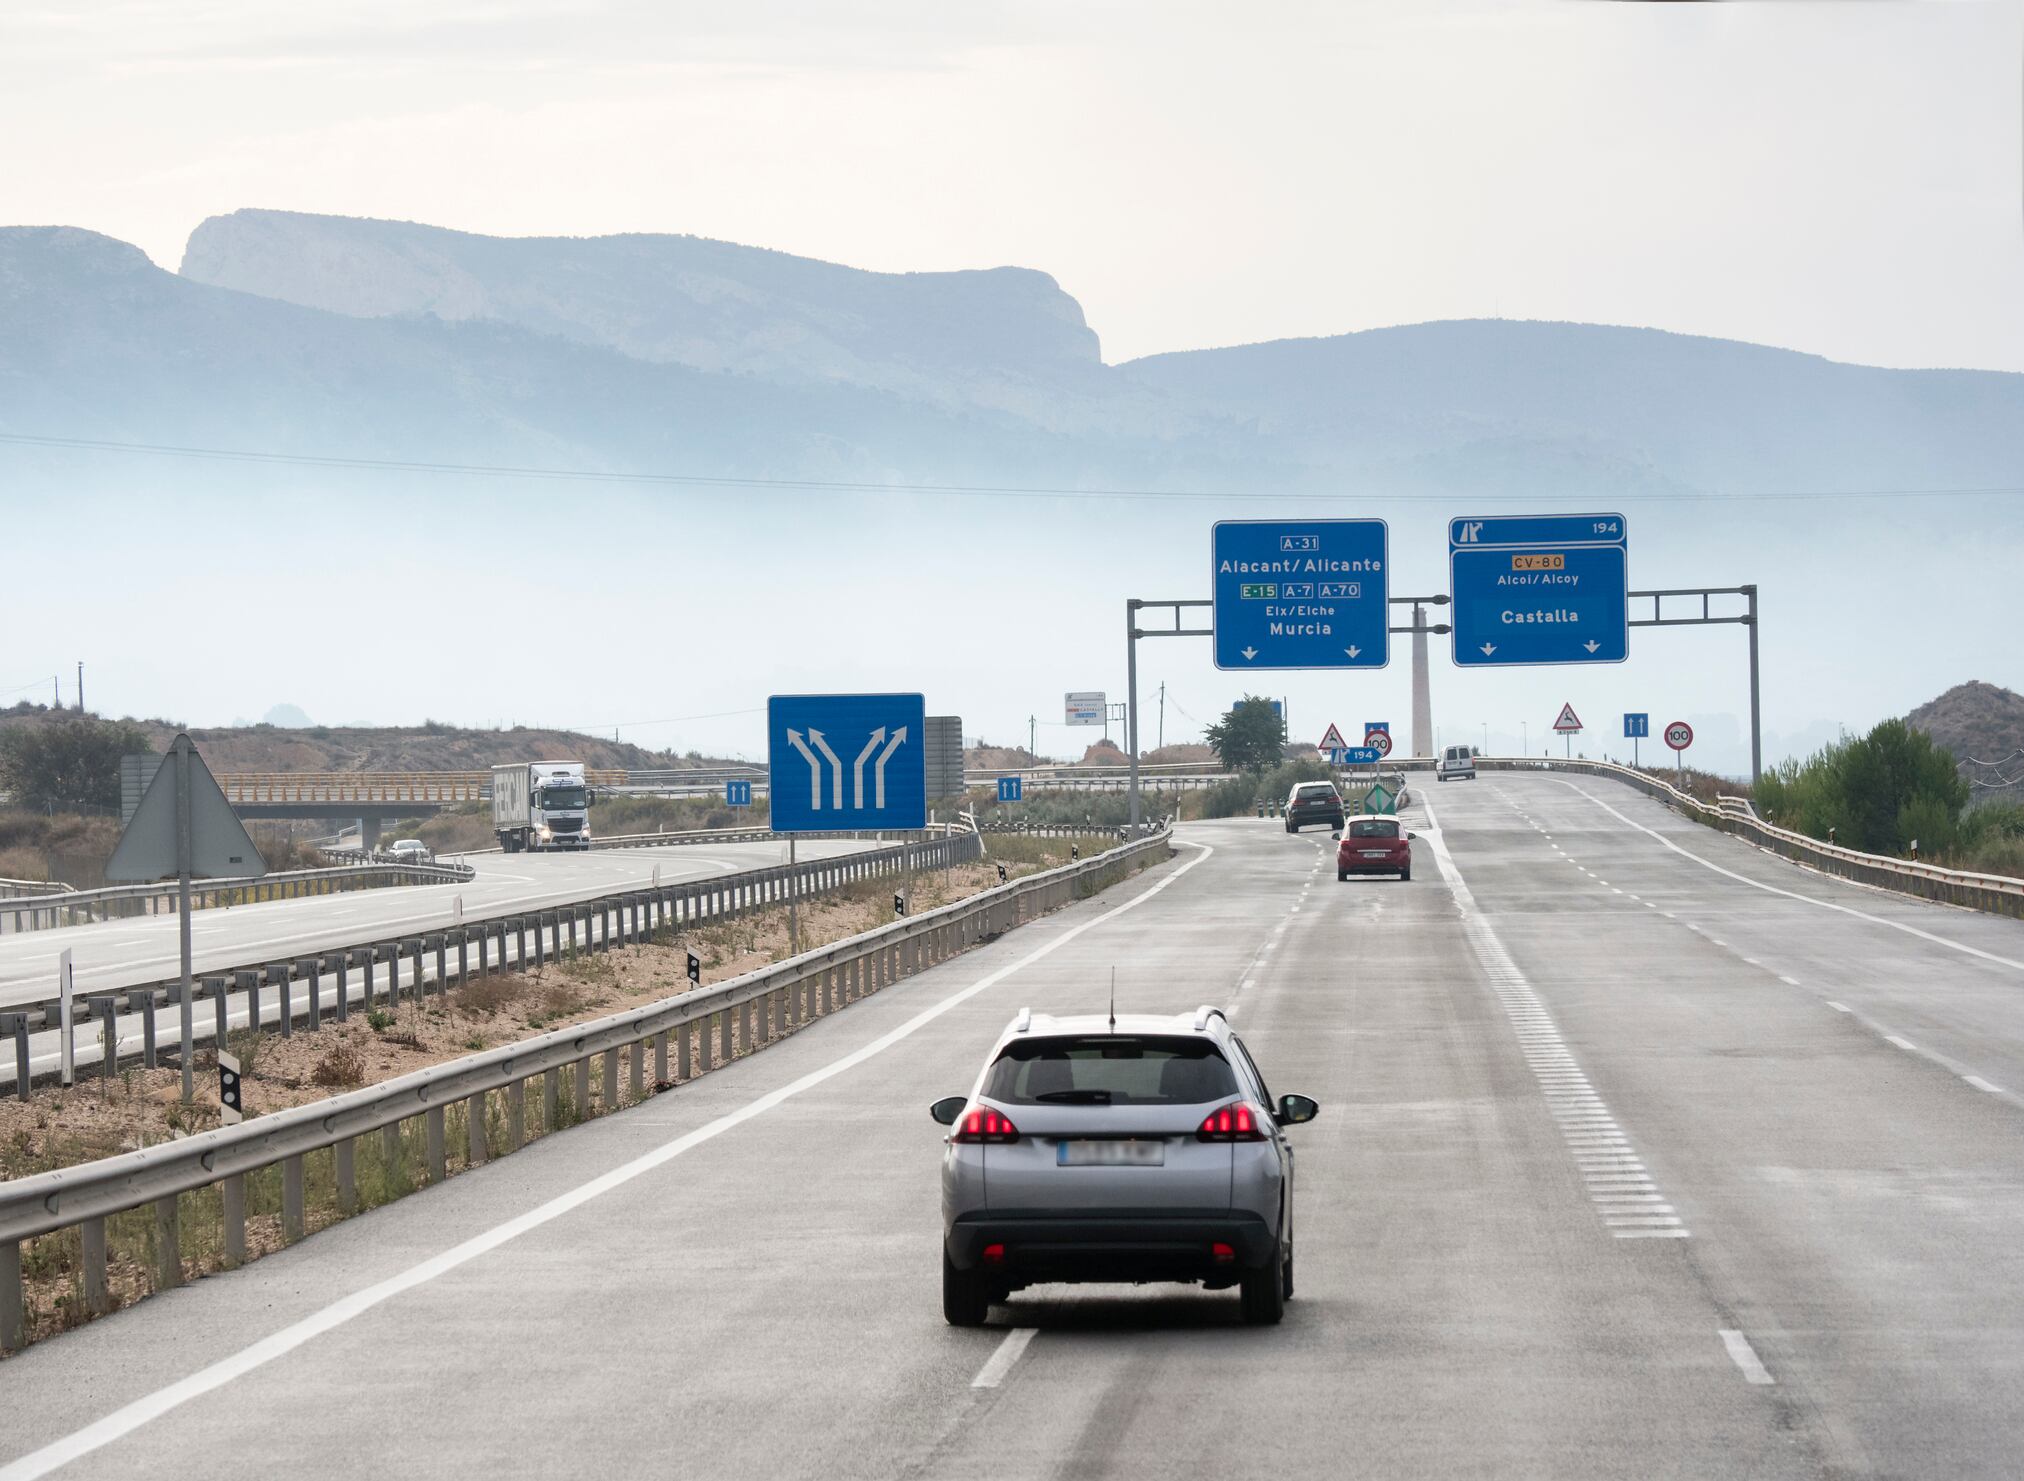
column 541, row 805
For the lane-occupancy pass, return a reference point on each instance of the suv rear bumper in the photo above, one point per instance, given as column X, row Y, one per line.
column 1123, row 1245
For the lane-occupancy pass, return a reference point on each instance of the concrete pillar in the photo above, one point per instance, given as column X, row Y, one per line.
column 1423, row 702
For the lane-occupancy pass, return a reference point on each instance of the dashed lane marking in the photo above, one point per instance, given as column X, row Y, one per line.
column 1744, row 1356
column 1000, row 1362
column 1573, row 1104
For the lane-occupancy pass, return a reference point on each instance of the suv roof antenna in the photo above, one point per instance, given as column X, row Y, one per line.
column 1113, row 998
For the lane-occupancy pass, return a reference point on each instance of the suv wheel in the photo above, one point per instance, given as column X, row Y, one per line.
column 1263, row 1294
column 966, row 1295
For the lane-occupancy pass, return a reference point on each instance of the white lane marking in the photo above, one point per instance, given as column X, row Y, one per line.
column 131, row 1416
column 1000, row 1362
column 1901, row 1043
column 1575, row 1114
column 1987, row 956
column 1837, row 1007
column 1744, row 1356
column 1980, row 1084
column 1788, row 981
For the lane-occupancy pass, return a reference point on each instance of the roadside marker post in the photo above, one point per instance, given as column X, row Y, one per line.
column 231, row 1102
column 695, row 969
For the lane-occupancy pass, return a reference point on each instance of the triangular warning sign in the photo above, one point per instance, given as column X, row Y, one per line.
column 219, row 847
column 1333, row 740
column 1568, row 721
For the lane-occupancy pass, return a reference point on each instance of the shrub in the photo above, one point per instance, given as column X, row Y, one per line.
column 343, row 1065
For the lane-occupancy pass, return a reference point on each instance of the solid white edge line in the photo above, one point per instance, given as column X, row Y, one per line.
column 1001, row 1360
column 1744, row 1356
column 131, row 1416
column 1987, row 956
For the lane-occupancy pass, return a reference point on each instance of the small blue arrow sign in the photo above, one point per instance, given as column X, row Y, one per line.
column 738, row 793
column 1636, row 726
column 1356, row 756
column 1010, row 788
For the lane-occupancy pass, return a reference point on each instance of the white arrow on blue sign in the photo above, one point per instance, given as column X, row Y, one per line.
column 1356, row 756
column 1301, row 594
column 1010, row 788
column 1636, row 726
column 847, row 761
column 738, row 794
column 1539, row 589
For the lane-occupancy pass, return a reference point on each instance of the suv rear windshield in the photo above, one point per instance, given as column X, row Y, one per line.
column 1110, row 1069
column 1373, row 828
column 1314, row 792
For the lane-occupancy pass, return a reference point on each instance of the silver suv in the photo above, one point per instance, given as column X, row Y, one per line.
column 1128, row 1149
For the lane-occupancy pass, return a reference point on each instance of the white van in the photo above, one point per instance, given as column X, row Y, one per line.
column 1457, row 763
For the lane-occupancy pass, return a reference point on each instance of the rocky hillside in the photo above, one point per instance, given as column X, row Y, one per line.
column 1983, row 725
column 993, row 337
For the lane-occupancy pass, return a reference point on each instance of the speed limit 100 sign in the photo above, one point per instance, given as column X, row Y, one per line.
column 1379, row 741
column 1679, row 735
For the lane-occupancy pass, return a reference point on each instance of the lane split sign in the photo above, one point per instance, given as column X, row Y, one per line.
column 1679, row 735
column 1569, row 722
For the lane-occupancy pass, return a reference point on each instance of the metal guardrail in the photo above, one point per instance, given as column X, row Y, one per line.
column 1996, row 893
column 11, row 889
column 279, row 788
column 766, row 1004
column 695, row 902
column 115, row 902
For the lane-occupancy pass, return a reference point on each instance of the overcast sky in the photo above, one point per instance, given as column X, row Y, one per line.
column 1835, row 177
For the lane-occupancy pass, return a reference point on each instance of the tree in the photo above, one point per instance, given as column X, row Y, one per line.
column 65, row 764
column 1249, row 737
column 1876, row 792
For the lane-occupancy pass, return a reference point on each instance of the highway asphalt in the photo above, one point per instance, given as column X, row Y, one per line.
column 1642, row 1154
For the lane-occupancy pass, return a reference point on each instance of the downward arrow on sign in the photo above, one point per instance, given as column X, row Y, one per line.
column 1250, row 652
column 1591, row 645
column 1352, row 652
column 1488, row 649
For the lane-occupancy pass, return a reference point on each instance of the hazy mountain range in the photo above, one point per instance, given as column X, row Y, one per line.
column 327, row 335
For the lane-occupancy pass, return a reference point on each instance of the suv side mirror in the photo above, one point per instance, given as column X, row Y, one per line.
column 948, row 1108
column 1294, row 1109
column 1412, row 835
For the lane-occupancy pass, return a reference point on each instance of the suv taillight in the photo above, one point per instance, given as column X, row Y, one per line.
column 1232, row 1123
column 985, row 1125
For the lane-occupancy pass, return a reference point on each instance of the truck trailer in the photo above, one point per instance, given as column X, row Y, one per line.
column 541, row 805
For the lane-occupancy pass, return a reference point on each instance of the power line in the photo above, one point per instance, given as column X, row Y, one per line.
column 983, row 491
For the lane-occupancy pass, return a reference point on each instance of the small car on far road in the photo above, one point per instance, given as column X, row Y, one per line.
column 1457, row 763
column 410, row 851
column 1313, row 802
column 1123, row 1149
column 1375, row 846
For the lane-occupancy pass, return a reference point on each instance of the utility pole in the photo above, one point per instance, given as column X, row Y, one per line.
column 1163, row 713
column 1033, row 735
column 80, row 686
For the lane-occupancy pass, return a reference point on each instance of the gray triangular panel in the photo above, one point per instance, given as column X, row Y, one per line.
column 219, row 846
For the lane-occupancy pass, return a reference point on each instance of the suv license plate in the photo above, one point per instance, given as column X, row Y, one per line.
column 1375, row 853
column 1111, row 1154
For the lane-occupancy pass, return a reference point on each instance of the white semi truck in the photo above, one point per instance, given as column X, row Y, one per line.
column 541, row 805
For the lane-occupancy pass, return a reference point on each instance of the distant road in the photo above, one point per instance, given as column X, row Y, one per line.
column 1641, row 1154
column 116, row 954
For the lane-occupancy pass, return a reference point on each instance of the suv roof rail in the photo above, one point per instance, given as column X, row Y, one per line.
column 1207, row 1011
column 1023, row 1022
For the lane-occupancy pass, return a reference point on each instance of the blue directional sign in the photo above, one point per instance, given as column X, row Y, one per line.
column 1301, row 594
column 738, row 794
column 1010, row 788
column 1636, row 726
column 1539, row 589
column 846, row 761
column 1356, row 756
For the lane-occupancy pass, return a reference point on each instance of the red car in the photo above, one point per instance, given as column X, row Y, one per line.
column 1375, row 846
